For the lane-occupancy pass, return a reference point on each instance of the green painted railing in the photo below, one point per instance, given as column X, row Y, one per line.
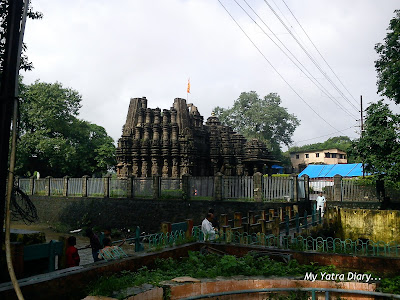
column 156, row 240
column 300, row 243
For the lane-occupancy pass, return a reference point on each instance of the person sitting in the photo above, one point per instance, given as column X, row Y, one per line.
column 71, row 253
column 207, row 228
column 214, row 220
column 110, row 252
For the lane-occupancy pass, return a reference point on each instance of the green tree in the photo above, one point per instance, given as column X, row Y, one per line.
column 379, row 146
column 25, row 63
column 262, row 118
column 388, row 64
column 54, row 141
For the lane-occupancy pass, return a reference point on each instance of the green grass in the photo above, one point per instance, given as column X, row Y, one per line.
column 171, row 194
column 201, row 198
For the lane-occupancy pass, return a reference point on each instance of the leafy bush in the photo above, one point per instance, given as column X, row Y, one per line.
column 390, row 285
column 198, row 265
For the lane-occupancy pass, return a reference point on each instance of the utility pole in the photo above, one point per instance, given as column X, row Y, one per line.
column 362, row 129
column 9, row 83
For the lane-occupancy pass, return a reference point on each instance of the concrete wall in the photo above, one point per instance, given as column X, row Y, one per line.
column 373, row 224
column 128, row 213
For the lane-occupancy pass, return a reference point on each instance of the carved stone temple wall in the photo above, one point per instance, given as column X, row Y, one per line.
column 174, row 141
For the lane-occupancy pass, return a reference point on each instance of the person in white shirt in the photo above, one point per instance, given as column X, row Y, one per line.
column 321, row 203
column 207, row 228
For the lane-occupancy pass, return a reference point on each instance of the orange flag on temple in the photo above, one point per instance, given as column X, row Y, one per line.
column 188, row 88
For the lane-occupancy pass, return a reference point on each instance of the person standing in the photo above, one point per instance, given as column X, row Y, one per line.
column 71, row 253
column 207, row 228
column 94, row 244
column 321, row 203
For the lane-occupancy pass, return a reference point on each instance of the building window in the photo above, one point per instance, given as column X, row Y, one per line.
column 344, row 156
column 297, row 156
column 341, row 156
column 327, row 155
column 333, row 155
column 306, row 155
column 316, row 154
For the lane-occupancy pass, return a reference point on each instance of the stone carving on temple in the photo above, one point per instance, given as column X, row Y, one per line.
column 176, row 141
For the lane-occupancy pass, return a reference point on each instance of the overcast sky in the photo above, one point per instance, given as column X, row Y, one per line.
column 111, row 51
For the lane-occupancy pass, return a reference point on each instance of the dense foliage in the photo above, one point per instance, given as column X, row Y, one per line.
column 203, row 266
column 261, row 118
column 53, row 140
column 379, row 146
column 388, row 64
column 390, row 285
column 339, row 142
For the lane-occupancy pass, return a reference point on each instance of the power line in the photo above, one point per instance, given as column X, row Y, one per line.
column 315, row 82
column 319, row 51
column 310, row 57
column 273, row 66
column 325, row 135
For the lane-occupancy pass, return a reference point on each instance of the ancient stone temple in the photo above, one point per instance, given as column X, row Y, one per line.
column 175, row 141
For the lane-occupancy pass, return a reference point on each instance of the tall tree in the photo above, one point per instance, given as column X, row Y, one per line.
column 54, row 141
column 388, row 64
column 379, row 146
column 262, row 118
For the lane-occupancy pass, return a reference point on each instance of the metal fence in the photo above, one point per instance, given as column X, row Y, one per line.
column 277, row 188
column 75, row 187
column 25, row 185
column 238, row 187
column 95, row 187
column 351, row 191
column 143, row 187
column 317, row 186
column 118, row 188
column 393, row 193
column 56, row 186
column 171, row 188
column 40, row 187
column 301, row 188
column 201, row 187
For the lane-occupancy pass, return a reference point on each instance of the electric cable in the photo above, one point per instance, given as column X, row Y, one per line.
column 310, row 57
column 319, row 51
column 22, row 207
column 266, row 59
column 313, row 80
column 325, row 135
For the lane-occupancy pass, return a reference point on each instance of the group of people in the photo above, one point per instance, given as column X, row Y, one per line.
column 210, row 228
column 98, row 246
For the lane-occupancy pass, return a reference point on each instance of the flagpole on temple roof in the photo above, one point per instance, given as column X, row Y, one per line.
column 188, row 90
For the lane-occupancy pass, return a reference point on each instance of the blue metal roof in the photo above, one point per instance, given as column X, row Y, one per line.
column 328, row 171
column 276, row 167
